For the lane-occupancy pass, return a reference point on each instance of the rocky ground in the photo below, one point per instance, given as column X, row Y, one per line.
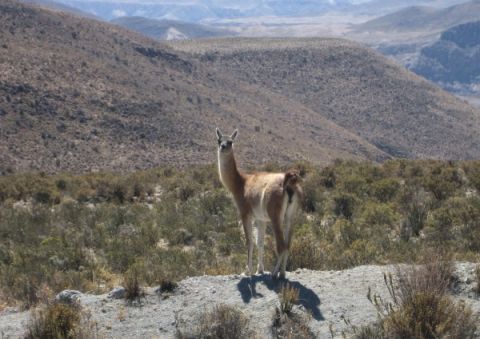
column 332, row 298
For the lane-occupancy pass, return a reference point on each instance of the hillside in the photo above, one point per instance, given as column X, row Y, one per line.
column 82, row 95
column 454, row 60
column 356, row 88
column 170, row 29
column 423, row 18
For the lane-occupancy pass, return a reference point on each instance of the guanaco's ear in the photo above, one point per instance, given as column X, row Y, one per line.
column 234, row 135
column 219, row 134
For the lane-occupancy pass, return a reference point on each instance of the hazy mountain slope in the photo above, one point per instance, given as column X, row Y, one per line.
column 424, row 18
column 78, row 94
column 454, row 60
column 163, row 29
column 354, row 87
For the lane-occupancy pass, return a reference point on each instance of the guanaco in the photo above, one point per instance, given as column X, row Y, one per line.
column 261, row 197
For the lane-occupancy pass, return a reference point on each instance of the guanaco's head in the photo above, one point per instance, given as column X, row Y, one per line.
column 225, row 142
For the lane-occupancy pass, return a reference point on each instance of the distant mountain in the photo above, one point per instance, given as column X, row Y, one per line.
column 170, row 29
column 424, row 18
column 454, row 60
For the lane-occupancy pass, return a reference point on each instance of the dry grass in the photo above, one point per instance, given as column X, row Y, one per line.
column 421, row 307
column 60, row 321
column 291, row 326
column 131, row 283
column 286, row 323
column 221, row 321
column 288, row 298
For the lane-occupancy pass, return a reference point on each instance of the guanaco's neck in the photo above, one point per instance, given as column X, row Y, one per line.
column 230, row 176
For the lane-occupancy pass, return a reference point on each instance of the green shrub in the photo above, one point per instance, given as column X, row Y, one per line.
column 344, row 205
column 385, row 190
column 304, row 253
column 443, row 181
column 312, row 190
column 354, row 184
column 328, row 178
column 415, row 205
column 345, row 232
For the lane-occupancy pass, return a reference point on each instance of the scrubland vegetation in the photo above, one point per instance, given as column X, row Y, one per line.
column 91, row 232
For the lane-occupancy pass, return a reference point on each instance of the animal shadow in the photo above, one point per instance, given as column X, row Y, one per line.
column 307, row 298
